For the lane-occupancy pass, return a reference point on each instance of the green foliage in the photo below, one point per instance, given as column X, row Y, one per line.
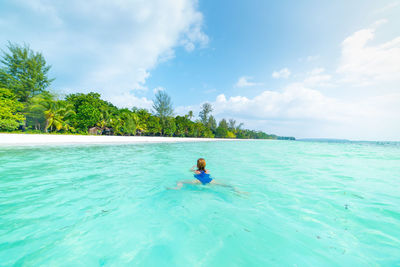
column 200, row 130
column 153, row 126
column 212, row 123
column 162, row 105
column 56, row 113
column 239, row 127
column 141, row 116
column 223, row 124
column 34, row 111
column 127, row 122
column 88, row 109
column 208, row 133
column 10, row 111
column 206, row 110
column 169, row 126
column 184, row 126
column 229, row 134
column 286, row 138
column 116, row 124
column 232, row 125
column 105, row 117
column 24, row 72
column 221, row 132
column 25, row 104
column 190, row 115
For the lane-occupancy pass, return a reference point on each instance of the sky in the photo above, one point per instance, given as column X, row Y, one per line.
column 309, row 69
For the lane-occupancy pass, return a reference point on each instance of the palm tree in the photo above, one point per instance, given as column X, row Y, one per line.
column 34, row 110
column 128, row 125
column 141, row 119
column 56, row 112
column 239, row 127
column 57, row 115
column 140, row 127
column 232, row 125
column 116, row 124
column 190, row 115
column 104, row 118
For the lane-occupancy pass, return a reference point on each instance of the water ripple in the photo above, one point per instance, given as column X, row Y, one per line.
column 310, row 204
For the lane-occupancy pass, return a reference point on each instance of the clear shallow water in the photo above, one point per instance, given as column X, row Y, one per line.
column 310, row 204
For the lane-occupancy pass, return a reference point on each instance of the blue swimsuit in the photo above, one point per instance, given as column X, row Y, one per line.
column 203, row 177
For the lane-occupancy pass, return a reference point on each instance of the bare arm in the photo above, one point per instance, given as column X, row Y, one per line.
column 180, row 184
column 228, row 186
column 193, row 168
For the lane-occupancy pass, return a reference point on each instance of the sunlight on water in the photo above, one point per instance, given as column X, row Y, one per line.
column 310, row 204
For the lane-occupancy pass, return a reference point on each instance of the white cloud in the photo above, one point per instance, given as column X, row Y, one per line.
column 316, row 71
column 106, row 46
column 194, row 33
column 283, row 73
column 244, row 81
column 183, row 110
column 317, row 77
column 387, row 7
column 129, row 100
column 378, row 23
column 303, row 112
column 294, row 102
column 364, row 64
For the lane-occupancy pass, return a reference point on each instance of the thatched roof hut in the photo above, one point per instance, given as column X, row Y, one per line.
column 108, row 131
column 94, row 131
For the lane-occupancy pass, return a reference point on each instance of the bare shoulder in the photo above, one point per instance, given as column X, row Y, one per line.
column 207, row 171
column 196, row 172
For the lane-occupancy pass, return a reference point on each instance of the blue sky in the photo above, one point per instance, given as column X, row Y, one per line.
column 299, row 68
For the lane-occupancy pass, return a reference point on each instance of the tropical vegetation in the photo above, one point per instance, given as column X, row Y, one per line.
column 27, row 104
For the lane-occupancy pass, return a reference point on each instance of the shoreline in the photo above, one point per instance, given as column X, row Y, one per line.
column 10, row 139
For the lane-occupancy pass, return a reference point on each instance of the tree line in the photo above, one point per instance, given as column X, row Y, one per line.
column 26, row 104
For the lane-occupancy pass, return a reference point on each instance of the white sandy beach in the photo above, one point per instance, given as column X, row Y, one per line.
column 44, row 139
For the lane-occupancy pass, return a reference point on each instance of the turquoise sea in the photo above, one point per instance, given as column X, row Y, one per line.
column 309, row 204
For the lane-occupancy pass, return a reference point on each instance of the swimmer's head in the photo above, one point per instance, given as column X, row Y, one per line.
column 201, row 164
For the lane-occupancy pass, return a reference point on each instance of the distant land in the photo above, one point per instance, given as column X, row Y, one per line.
column 334, row 140
column 324, row 140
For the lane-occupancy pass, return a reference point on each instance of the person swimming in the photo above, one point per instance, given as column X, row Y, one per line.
column 201, row 173
column 202, row 176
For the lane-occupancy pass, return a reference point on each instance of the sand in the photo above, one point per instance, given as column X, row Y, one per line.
column 48, row 139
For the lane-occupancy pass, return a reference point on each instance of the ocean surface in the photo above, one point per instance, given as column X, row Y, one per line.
column 308, row 204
